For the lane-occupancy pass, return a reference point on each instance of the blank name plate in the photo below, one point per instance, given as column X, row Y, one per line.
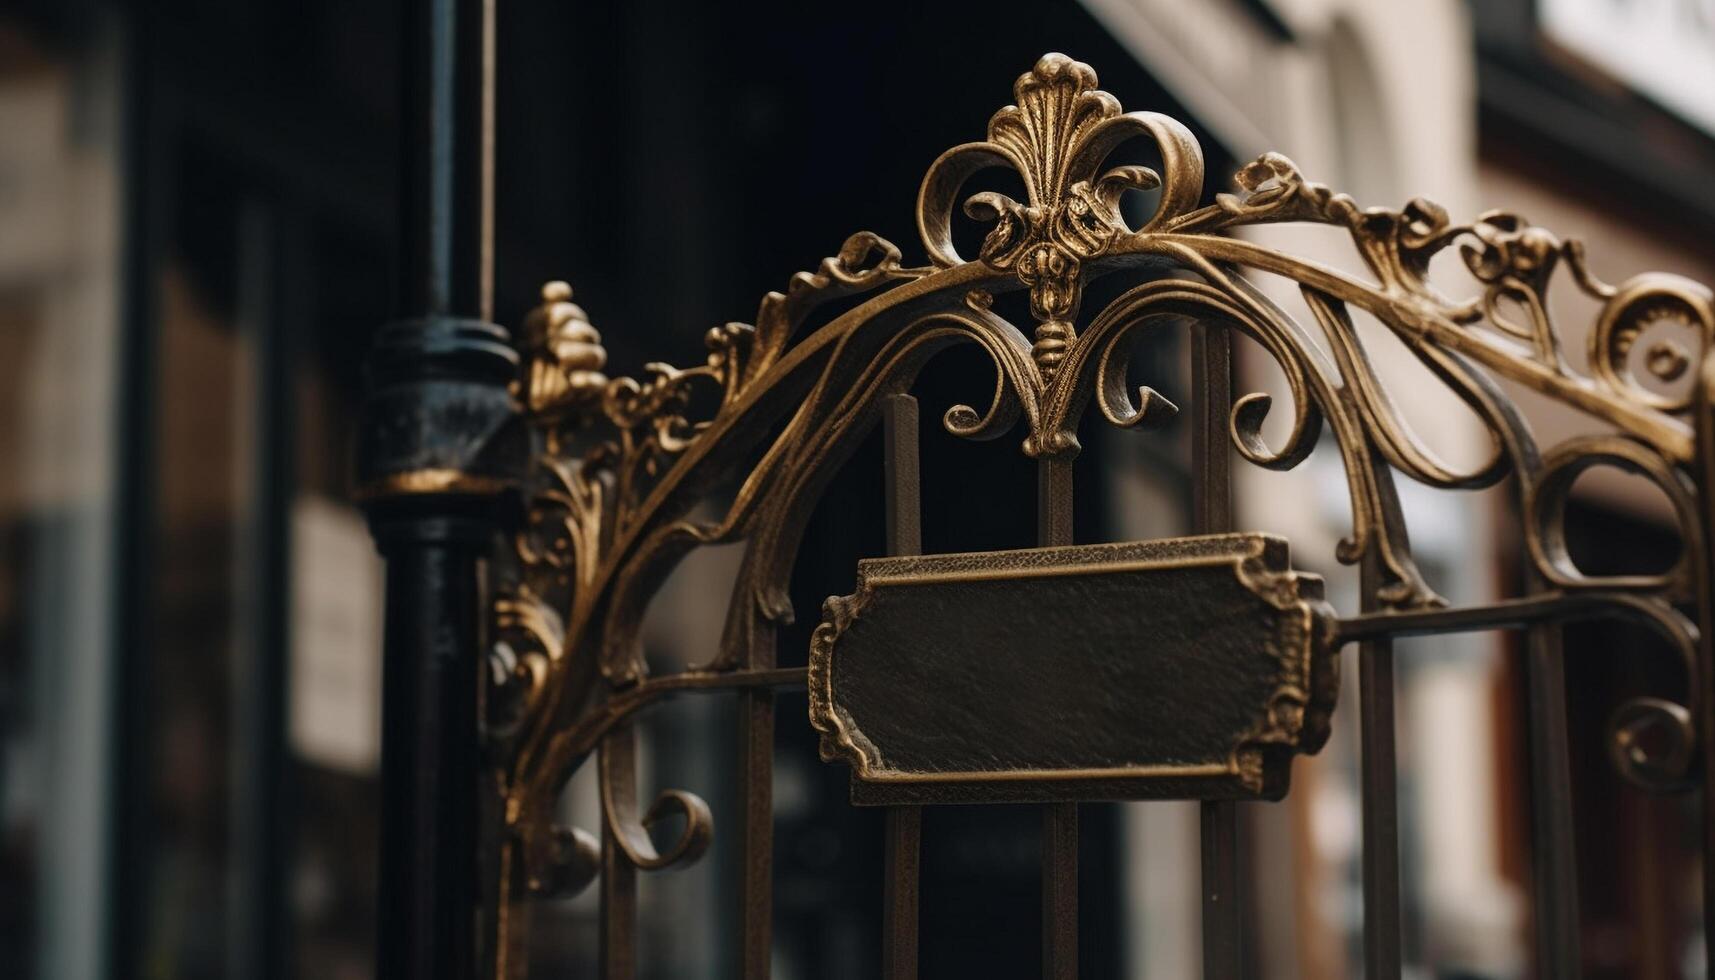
column 1187, row 668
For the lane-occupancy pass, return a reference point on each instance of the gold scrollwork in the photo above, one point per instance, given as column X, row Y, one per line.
column 611, row 503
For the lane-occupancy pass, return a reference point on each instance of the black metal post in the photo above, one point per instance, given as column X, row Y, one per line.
column 441, row 444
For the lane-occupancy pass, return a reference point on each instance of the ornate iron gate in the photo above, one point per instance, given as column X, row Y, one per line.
column 623, row 472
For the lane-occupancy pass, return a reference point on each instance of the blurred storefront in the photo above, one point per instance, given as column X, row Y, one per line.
column 196, row 204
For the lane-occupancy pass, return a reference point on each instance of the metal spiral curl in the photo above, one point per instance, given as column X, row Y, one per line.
column 571, row 862
column 1662, row 765
column 1635, row 306
column 618, row 771
column 1545, row 513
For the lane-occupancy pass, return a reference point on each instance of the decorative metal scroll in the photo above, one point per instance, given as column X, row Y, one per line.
column 1195, row 667
column 613, row 501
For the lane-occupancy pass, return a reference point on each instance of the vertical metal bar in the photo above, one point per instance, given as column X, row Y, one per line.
column 438, row 447
column 1222, row 909
column 900, row 895
column 618, row 911
column 904, row 823
column 258, row 762
column 1212, row 511
column 1059, row 820
column 1554, row 858
column 904, row 498
column 1060, row 891
column 618, row 926
column 146, row 127
column 130, row 691
column 447, row 184
column 1705, row 719
column 480, row 156
column 756, row 776
column 1054, row 502
column 1380, row 791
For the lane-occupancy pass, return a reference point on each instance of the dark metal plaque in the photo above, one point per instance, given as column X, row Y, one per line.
column 1189, row 668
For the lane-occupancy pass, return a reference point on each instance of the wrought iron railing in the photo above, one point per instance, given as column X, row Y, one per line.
column 623, row 474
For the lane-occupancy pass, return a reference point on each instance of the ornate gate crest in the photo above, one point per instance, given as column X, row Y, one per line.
column 622, row 465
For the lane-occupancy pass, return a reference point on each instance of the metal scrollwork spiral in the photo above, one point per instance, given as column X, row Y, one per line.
column 1660, row 768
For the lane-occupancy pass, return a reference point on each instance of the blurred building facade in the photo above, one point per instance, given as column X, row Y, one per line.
column 196, row 207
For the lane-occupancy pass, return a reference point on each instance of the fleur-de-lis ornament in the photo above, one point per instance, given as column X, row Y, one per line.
column 1057, row 138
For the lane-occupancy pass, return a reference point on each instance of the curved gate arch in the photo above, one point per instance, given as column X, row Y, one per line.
column 622, row 464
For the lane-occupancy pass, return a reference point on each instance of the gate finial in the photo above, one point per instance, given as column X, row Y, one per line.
column 566, row 357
